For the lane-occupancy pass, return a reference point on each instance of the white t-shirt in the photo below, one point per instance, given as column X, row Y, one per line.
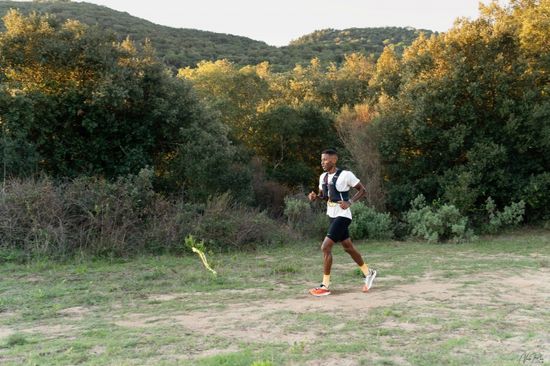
column 345, row 181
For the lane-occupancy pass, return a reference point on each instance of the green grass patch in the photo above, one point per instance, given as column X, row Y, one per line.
column 169, row 310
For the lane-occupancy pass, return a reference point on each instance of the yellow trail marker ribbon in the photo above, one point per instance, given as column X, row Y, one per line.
column 203, row 259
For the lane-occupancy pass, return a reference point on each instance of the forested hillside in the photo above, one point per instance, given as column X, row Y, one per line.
column 186, row 47
column 451, row 136
column 333, row 44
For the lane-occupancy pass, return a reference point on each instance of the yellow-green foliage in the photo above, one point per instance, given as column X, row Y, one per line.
column 471, row 115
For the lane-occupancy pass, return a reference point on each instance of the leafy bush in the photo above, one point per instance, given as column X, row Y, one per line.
column 368, row 223
column 511, row 215
column 318, row 225
column 437, row 222
column 85, row 215
column 31, row 217
column 292, row 162
column 296, row 211
column 305, row 219
column 96, row 217
column 226, row 224
column 536, row 197
column 311, row 220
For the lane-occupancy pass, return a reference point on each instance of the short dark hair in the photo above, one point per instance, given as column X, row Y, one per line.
column 330, row 152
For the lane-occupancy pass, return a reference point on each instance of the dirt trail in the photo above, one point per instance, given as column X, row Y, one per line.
column 6, row 332
column 271, row 321
column 255, row 321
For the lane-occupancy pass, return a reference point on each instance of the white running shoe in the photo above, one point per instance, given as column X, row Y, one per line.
column 369, row 279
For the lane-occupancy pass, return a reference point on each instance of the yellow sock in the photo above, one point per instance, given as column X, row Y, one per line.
column 365, row 269
column 326, row 280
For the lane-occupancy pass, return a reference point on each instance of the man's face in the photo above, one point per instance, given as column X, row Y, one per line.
column 328, row 161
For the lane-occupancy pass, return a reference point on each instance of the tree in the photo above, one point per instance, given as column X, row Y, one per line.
column 386, row 80
column 234, row 94
column 354, row 126
column 471, row 116
column 87, row 105
column 290, row 140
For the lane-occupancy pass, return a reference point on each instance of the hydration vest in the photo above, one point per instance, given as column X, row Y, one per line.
column 329, row 190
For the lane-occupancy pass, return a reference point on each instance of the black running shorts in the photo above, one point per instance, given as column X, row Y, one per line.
column 338, row 229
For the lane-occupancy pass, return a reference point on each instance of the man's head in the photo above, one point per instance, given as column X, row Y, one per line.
column 329, row 157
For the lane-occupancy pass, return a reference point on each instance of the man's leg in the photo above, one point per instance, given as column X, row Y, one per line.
column 326, row 247
column 323, row 290
column 348, row 245
column 369, row 274
column 352, row 251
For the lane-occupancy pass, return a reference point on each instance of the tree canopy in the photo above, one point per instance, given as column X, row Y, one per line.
column 74, row 101
column 469, row 113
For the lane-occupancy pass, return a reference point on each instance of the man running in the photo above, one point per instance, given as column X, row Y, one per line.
column 334, row 186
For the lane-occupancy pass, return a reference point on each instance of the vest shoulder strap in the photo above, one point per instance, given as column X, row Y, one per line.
column 335, row 178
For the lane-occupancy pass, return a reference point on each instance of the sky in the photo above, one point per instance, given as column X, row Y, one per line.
column 279, row 22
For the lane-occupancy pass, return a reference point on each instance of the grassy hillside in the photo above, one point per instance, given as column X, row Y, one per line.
column 180, row 47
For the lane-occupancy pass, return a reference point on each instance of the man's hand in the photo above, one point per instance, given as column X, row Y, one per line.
column 312, row 196
column 344, row 204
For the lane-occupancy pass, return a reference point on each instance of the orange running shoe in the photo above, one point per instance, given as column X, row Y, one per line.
column 322, row 290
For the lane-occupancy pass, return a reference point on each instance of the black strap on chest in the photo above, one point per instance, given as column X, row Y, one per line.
column 330, row 191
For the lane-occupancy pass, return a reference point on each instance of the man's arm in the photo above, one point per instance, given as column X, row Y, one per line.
column 313, row 196
column 361, row 192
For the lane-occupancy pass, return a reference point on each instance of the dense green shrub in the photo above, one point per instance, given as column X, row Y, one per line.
column 535, row 194
column 279, row 136
column 437, row 222
column 318, row 225
column 368, row 223
column 311, row 221
column 511, row 215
